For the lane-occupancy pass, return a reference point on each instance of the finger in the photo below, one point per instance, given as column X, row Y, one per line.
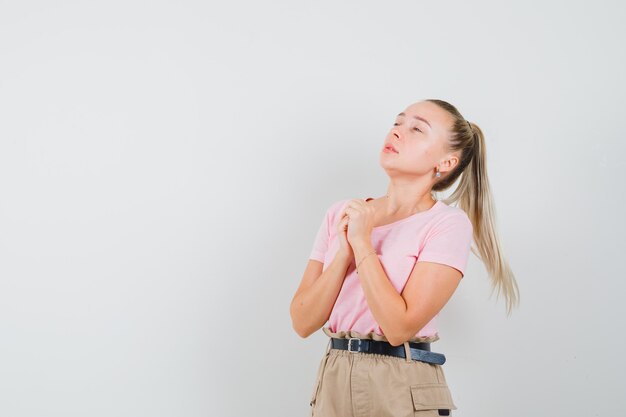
column 355, row 203
column 342, row 213
column 351, row 211
column 343, row 225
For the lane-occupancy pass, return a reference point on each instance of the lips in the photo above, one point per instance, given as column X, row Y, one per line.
column 390, row 146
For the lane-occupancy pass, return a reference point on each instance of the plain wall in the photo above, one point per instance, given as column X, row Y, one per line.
column 164, row 167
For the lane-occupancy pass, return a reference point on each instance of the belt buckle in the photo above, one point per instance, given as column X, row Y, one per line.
column 350, row 344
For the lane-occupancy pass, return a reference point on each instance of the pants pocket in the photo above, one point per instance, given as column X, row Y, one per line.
column 431, row 399
column 318, row 380
column 314, row 393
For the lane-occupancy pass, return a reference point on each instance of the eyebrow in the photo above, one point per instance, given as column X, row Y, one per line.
column 418, row 118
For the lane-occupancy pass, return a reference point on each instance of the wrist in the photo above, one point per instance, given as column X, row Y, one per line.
column 362, row 253
column 360, row 247
column 343, row 256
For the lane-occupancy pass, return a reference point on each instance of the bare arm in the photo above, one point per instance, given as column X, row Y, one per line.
column 315, row 297
column 401, row 316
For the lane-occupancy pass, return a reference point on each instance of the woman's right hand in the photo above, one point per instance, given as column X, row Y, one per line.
column 345, row 250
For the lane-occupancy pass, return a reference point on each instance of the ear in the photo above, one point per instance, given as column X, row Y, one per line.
column 449, row 163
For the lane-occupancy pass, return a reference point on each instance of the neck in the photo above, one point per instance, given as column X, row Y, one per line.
column 409, row 206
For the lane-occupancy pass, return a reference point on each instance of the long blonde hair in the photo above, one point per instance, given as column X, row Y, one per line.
column 473, row 195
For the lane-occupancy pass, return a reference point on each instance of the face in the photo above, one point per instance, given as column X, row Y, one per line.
column 419, row 135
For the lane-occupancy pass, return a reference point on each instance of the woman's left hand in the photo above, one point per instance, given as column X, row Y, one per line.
column 361, row 221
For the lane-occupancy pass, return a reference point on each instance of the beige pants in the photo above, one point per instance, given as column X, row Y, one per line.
column 357, row 384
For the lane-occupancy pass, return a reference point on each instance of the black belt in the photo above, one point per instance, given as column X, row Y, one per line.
column 419, row 351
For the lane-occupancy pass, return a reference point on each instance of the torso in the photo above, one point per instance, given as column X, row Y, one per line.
column 398, row 247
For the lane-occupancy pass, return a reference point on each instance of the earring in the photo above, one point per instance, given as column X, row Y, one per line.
column 438, row 174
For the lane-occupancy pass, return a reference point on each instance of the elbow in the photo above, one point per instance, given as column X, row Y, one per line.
column 303, row 333
column 298, row 325
column 302, row 327
column 404, row 333
column 304, row 322
column 396, row 340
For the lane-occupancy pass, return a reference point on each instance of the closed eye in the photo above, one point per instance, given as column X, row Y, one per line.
column 396, row 124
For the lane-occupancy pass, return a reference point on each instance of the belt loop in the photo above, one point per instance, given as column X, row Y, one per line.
column 407, row 351
column 329, row 344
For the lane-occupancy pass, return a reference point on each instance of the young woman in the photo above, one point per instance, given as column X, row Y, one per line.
column 382, row 268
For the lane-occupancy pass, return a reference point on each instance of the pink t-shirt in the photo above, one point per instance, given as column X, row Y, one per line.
column 442, row 234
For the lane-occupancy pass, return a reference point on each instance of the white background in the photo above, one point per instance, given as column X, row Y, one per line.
column 164, row 167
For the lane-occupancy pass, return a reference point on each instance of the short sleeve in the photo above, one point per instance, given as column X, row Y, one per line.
column 449, row 242
column 320, row 244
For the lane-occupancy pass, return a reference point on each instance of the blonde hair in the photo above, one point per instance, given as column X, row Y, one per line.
column 473, row 195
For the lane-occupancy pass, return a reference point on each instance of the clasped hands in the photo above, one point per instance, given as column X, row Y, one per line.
column 355, row 225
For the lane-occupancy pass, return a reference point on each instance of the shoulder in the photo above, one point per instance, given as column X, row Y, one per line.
column 339, row 204
column 334, row 209
column 452, row 217
column 336, row 205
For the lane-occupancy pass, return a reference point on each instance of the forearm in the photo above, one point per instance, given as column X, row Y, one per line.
column 312, row 307
column 386, row 304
